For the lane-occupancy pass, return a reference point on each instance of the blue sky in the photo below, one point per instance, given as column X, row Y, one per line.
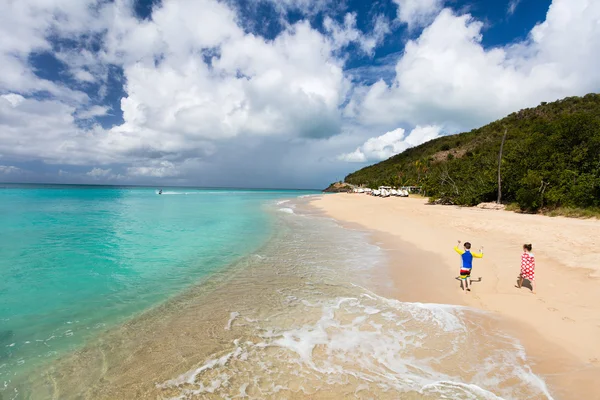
column 270, row 93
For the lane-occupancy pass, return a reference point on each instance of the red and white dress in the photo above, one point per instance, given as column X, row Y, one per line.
column 528, row 266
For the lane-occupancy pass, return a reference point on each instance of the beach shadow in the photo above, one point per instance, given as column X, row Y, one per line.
column 472, row 281
column 526, row 284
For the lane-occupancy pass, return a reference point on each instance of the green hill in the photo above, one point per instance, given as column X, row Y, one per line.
column 551, row 159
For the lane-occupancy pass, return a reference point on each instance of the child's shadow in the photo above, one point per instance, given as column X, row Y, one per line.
column 472, row 281
column 526, row 284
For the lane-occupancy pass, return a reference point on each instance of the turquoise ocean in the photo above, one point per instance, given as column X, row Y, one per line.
column 76, row 260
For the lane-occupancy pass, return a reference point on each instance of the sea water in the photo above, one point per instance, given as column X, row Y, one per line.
column 292, row 312
column 76, row 260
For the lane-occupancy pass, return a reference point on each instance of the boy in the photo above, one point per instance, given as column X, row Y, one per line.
column 467, row 263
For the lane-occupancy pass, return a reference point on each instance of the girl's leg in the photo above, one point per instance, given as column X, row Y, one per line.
column 520, row 281
column 533, row 286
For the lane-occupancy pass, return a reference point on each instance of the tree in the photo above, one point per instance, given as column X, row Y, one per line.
column 499, row 164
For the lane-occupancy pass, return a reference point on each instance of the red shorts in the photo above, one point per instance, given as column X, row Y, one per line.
column 465, row 273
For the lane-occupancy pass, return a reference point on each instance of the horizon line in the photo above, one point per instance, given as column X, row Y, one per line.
column 155, row 186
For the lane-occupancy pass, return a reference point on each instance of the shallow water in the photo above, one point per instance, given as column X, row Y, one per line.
column 297, row 318
column 77, row 260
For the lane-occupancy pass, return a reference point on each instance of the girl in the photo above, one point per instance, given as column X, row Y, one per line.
column 527, row 267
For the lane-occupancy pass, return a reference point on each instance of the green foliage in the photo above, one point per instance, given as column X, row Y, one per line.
column 575, row 212
column 529, row 195
column 551, row 160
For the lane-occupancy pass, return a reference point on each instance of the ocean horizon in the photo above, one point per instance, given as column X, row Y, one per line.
column 16, row 185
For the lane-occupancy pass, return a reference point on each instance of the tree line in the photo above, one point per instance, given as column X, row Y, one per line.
column 550, row 159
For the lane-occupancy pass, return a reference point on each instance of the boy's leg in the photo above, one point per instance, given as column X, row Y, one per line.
column 467, row 279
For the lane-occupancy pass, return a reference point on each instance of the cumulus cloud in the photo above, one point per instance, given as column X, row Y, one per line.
column 25, row 27
column 202, row 92
column 418, row 13
column 46, row 130
column 343, row 35
column 193, row 76
column 447, row 77
column 391, row 143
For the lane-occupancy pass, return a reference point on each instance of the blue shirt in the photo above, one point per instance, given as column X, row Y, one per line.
column 467, row 257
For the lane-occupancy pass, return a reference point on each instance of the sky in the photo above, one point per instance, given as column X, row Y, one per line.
column 269, row 93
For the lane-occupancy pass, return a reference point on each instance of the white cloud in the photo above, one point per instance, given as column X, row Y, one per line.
column 201, row 88
column 343, row 35
column 47, row 130
column 177, row 102
column 99, row 173
column 512, row 6
column 446, row 77
column 13, row 99
column 417, row 13
column 9, row 169
column 25, row 26
column 161, row 169
column 306, row 7
column 94, row 111
column 391, row 143
column 83, row 75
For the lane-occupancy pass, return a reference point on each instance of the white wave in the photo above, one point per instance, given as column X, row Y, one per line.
column 232, row 318
column 190, row 376
column 287, row 210
column 179, row 193
column 282, row 202
column 380, row 344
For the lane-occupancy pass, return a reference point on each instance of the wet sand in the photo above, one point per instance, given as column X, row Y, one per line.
column 559, row 326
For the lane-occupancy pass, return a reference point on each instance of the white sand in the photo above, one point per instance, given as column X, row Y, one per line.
column 566, row 309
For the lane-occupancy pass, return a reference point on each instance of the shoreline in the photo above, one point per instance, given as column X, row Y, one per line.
column 418, row 239
column 129, row 360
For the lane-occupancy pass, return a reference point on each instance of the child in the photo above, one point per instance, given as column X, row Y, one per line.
column 527, row 267
column 467, row 263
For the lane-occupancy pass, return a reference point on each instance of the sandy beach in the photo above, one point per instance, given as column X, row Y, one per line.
column 559, row 326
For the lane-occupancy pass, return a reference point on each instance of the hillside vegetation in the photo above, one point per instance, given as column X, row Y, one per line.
column 551, row 159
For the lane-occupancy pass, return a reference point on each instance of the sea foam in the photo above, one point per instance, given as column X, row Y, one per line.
column 375, row 344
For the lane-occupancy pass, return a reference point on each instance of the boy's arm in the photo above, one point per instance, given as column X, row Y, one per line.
column 480, row 254
column 459, row 251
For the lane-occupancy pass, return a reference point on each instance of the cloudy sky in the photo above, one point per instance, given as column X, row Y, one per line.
column 269, row 93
